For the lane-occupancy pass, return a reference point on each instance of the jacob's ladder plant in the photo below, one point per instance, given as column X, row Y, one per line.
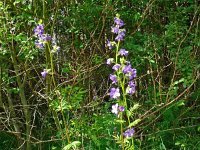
column 123, row 85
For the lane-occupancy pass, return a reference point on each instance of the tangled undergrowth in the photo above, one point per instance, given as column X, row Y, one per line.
column 77, row 75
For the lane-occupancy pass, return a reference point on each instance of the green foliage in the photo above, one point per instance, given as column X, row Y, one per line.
column 8, row 141
column 70, row 99
column 163, row 40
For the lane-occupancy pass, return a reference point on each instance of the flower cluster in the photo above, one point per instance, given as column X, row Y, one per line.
column 122, row 70
column 116, row 29
column 41, row 37
column 123, row 76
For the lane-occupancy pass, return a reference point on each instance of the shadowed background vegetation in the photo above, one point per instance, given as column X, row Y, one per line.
column 163, row 39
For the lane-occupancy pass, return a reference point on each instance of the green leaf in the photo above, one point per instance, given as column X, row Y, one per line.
column 74, row 144
column 134, row 123
column 132, row 109
column 198, row 129
column 179, row 81
column 180, row 103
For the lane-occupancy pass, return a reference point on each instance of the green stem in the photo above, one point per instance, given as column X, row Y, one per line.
column 122, row 138
column 54, row 83
column 124, row 101
column 49, row 63
column 116, row 54
column 52, row 66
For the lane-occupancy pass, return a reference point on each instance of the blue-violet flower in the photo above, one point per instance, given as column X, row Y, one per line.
column 123, row 52
column 113, row 78
column 114, row 93
column 115, row 30
column 39, row 30
column 118, row 22
column 129, row 132
column 109, row 61
column 44, row 73
column 121, row 108
column 115, row 109
column 116, row 67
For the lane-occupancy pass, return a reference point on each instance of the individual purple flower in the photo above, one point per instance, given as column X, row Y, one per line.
column 120, row 36
column 118, row 22
column 121, row 108
column 44, row 73
column 45, row 37
column 115, row 109
column 113, row 78
column 116, row 67
column 109, row 61
column 129, row 132
column 131, row 84
column 131, row 88
column 122, row 32
column 115, row 30
column 39, row 30
column 39, row 44
column 126, row 69
column 133, row 74
column 114, row 93
column 109, row 44
column 123, row 52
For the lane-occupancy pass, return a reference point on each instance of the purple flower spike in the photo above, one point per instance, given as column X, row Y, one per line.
column 116, row 67
column 114, row 93
column 109, row 61
column 113, row 78
column 121, row 108
column 129, row 132
column 44, row 73
column 123, row 52
column 115, row 109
